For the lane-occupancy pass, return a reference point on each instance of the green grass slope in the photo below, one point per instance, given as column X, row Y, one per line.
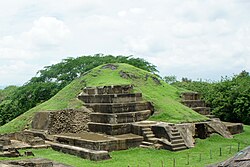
column 164, row 97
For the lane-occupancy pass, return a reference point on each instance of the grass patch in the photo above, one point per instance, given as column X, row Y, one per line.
column 198, row 156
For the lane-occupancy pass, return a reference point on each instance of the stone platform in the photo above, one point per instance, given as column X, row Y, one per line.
column 95, row 141
column 114, row 108
column 111, row 98
column 234, row 128
column 193, row 100
column 119, row 107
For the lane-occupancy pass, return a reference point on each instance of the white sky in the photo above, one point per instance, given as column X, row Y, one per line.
column 187, row 38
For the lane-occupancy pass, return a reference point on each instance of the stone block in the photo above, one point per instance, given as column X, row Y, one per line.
column 120, row 107
column 193, row 103
column 41, row 120
column 190, row 96
column 202, row 110
column 4, row 140
column 36, row 141
column 35, row 162
column 120, row 117
column 234, row 128
column 81, row 152
column 111, row 98
column 110, row 129
column 161, row 131
column 113, row 89
column 62, row 121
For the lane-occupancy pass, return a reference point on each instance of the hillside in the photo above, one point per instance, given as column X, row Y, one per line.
column 164, row 97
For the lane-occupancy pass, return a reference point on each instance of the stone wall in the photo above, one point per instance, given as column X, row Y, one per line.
column 190, row 96
column 62, row 121
column 113, row 89
column 34, row 162
column 234, row 128
column 187, row 131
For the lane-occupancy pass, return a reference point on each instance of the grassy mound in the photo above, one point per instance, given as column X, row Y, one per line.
column 164, row 97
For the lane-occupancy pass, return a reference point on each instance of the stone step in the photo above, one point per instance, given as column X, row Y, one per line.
column 111, row 98
column 97, row 141
column 152, row 140
column 80, row 152
column 148, row 132
column 202, row 110
column 43, row 146
column 177, row 141
column 120, row 107
column 179, row 148
column 146, row 146
column 113, row 89
column 120, row 117
column 147, row 143
column 175, row 134
column 149, row 135
column 174, row 130
column 39, row 133
column 175, row 137
column 37, row 141
column 158, row 146
column 176, row 145
column 146, row 129
column 110, row 129
column 191, row 96
column 194, row 103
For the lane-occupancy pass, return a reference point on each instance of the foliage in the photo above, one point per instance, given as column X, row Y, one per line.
column 8, row 91
column 165, row 97
column 229, row 98
column 170, row 79
column 53, row 78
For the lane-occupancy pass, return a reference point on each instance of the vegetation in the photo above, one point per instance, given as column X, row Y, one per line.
column 198, row 156
column 9, row 90
column 164, row 96
column 229, row 98
column 52, row 79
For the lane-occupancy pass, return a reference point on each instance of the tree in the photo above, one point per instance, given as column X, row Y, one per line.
column 170, row 79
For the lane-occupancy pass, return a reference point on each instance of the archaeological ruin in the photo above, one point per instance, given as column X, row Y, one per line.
column 113, row 118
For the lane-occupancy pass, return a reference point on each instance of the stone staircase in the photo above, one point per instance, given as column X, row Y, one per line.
column 169, row 137
column 114, row 108
column 150, row 140
column 177, row 142
column 193, row 101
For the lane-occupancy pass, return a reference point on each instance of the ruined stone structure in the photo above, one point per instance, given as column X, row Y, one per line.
column 114, row 109
column 193, row 101
column 226, row 129
column 160, row 135
column 105, row 125
column 35, row 162
column 10, row 143
column 62, row 121
column 113, row 118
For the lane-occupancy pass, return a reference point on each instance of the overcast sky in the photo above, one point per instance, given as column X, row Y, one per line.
column 187, row 38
